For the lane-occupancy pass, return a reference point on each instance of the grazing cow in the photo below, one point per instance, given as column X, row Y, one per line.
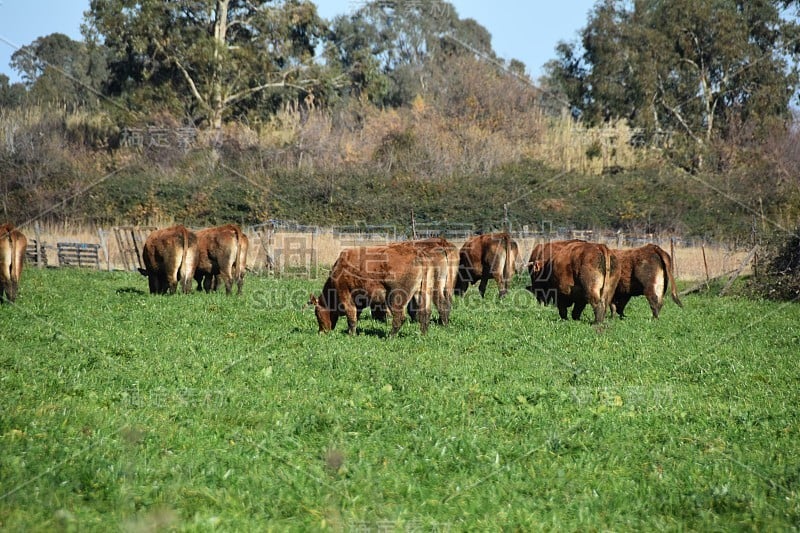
column 221, row 257
column 540, row 268
column 170, row 256
column 487, row 256
column 12, row 258
column 443, row 259
column 362, row 277
column 442, row 256
column 577, row 272
column 644, row 271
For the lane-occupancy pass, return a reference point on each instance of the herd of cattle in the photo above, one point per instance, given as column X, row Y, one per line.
column 416, row 275
column 411, row 276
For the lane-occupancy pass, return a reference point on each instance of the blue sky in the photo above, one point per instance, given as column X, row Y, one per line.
column 523, row 29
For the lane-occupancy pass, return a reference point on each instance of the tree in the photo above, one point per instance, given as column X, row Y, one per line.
column 388, row 48
column 210, row 54
column 11, row 94
column 682, row 65
column 57, row 68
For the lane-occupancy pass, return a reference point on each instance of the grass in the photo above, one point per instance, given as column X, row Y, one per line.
column 202, row 412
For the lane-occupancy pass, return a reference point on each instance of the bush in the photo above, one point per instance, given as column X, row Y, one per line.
column 780, row 277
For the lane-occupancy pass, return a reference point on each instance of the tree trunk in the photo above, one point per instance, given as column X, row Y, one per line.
column 217, row 102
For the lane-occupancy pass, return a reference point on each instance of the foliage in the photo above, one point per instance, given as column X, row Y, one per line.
column 392, row 51
column 211, row 55
column 11, row 94
column 400, row 106
column 59, row 70
column 204, row 412
column 779, row 277
column 663, row 67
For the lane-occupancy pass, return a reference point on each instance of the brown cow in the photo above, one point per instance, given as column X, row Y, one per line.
column 443, row 258
column 170, row 256
column 540, row 268
column 361, row 277
column 221, row 258
column 578, row 273
column 12, row 258
column 644, row 271
column 487, row 256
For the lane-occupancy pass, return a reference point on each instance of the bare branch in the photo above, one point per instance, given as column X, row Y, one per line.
column 300, row 85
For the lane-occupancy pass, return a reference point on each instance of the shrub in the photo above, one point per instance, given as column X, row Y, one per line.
column 780, row 277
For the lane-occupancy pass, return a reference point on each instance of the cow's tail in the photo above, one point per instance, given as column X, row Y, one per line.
column 607, row 292
column 240, row 258
column 508, row 268
column 186, row 275
column 7, row 233
column 17, row 254
column 666, row 261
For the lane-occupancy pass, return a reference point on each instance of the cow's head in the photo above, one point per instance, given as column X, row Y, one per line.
column 326, row 319
column 534, row 267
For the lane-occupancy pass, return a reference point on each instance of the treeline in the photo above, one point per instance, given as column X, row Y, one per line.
column 244, row 111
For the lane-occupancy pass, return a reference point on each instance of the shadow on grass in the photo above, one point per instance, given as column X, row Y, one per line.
column 130, row 290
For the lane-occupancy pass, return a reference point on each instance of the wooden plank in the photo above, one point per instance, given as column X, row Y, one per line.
column 36, row 253
column 78, row 254
column 739, row 270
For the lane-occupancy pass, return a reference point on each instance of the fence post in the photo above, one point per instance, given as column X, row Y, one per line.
column 705, row 263
column 104, row 245
column 672, row 253
column 313, row 266
column 39, row 248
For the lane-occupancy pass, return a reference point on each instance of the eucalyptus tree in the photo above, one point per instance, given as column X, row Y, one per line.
column 210, row 55
column 58, row 69
column 390, row 48
column 683, row 65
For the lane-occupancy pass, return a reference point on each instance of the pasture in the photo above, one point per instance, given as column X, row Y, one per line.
column 122, row 410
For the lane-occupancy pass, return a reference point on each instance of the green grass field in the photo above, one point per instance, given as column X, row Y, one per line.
column 121, row 410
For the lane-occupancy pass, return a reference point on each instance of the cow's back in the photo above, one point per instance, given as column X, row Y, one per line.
column 12, row 258
column 170, row 255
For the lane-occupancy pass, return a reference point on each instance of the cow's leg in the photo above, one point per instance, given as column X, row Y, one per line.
column 239, row 282
column 397, row 302
column 227, row 279
column 654, row 299
column 577, row 311
column 5, row 289
column 424, row 313
column 444, row 305
column 350, row 311
column 413, row 309
column 502, row 284
column 619, row 304
column 378, row 311
column 482, row 285
column 398, row 317
column 599, row 307
column 8, row 289
column 12, row 288
column 563, row 304
column 172, row 280
column 152, row 282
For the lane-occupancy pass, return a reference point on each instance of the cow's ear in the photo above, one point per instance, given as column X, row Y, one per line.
column 312, row 300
